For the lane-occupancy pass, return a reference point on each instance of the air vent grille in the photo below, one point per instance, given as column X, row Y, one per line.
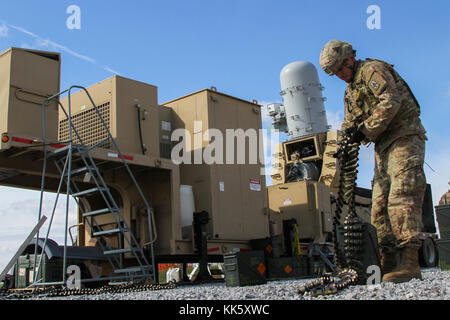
column 89, row 126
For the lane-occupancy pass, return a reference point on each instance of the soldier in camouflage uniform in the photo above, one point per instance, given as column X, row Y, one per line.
column 380, row 108
column 445, row 199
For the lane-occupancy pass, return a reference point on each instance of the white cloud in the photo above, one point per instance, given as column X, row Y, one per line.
column 47, row 43
column 3, row 31
column 111, row 70
column 334, row 119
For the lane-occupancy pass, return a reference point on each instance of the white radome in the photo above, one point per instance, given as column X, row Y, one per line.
column 302, row 98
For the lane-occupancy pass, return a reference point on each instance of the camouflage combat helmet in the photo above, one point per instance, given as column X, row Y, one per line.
column 333, row 54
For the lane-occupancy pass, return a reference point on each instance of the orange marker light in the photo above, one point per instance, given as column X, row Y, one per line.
column 5, row 138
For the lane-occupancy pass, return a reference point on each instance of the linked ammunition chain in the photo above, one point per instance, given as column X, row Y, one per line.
column 349, row 263
column 330, row 284
column 64, row 292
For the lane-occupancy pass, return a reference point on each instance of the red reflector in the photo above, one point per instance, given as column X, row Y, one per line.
column 128, row 157
column 22, row 140
column 116, row 155
column 56, row 145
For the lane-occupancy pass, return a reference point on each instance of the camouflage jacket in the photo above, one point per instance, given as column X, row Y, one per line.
column 381, row 104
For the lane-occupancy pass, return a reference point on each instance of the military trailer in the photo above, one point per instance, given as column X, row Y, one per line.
column 116, row 138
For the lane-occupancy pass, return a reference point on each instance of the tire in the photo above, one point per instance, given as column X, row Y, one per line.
column 428, row 254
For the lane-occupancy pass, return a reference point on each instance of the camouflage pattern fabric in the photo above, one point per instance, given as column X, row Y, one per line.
column 445, row 199
column 398, row 191
column 383, row 107
column 380, row 102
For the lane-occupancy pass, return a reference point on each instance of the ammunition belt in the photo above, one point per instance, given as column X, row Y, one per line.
column 63, row 292
column 331, row 284
column 348, row 270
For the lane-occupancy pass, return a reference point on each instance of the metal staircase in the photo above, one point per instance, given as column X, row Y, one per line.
column 74, row 160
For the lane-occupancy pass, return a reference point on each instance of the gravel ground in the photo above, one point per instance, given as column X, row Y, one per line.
column 434, row 286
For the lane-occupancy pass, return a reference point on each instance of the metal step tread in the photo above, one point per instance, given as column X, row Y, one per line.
column 118, row 251
column 88, row 191
column 99, row 212
column 133, row 269
column 81, row 170
column 76, row 149
column 111, row 231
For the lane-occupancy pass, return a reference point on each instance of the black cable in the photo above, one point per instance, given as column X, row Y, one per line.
column 138, row 106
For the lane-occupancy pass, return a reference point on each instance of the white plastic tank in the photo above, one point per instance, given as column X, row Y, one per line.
column 174, row 274
column 187, row 205
column 301, row 92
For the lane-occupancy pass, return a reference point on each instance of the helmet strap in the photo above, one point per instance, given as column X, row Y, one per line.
column 348, row 65
column 351, row 67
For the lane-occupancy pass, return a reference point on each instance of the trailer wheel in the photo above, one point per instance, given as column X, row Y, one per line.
column 428, row 254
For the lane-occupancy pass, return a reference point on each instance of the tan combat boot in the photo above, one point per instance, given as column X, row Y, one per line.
column 388, row 261
column 407, row 269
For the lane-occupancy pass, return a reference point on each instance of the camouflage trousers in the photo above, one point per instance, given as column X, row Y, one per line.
column 398, row 191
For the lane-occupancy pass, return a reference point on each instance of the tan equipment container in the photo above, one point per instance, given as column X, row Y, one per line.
column 234, row 195
column 306, row 201
column 27, row 78
column 117, row 99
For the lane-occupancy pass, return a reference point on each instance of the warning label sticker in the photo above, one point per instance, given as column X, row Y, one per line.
column 255, row 185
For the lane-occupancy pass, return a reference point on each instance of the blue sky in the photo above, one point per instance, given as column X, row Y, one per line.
column 239, row 47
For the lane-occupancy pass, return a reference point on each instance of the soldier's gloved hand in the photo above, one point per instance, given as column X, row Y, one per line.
column 356, row 136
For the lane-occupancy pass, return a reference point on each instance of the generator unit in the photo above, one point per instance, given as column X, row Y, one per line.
column 27, row 78
column 129, row 108
column 232, row 190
